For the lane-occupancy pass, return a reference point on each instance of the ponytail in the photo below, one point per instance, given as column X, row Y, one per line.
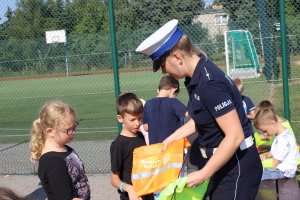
column 37, row 140
column 51, row 115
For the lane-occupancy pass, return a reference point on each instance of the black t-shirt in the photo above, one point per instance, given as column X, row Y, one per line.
column 121, row 154
column 62, row 175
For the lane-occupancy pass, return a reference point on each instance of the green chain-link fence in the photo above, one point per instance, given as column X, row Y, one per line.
column 79, row 70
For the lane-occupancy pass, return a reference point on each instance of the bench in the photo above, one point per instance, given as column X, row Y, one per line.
column 281, row 189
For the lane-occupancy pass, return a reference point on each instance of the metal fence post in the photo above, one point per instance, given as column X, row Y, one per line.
column 284, row 62
column 114, row 52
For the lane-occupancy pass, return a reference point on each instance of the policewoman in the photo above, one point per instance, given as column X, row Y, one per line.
column 232, row 164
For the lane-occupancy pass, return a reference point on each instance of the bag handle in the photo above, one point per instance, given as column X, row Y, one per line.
column 182, row 167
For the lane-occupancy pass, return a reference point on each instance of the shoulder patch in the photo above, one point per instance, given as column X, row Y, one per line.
column 197, row 97
column 223, row 105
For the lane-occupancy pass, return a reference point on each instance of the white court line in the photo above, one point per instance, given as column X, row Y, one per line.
column 96, row 128
column 34, row 97
column 91, row 93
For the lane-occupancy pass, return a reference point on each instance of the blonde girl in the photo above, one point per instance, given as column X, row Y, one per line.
column 60, row 169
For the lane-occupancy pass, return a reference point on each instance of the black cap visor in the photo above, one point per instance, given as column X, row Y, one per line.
column 158, row 62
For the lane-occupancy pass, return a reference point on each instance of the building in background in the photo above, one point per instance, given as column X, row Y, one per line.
column 215, row 20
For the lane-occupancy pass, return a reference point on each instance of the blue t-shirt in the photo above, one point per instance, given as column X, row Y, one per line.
column 247, row 104
column 211, row 95
column 248, row 107
column 164, row 116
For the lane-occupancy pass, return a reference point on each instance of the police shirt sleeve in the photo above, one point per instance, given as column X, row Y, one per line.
column 217, row 99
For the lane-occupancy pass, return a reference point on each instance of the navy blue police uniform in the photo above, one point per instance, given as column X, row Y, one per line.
column 211, row 95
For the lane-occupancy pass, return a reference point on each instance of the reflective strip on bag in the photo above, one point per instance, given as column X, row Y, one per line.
column 156, row 172
column 154, row 169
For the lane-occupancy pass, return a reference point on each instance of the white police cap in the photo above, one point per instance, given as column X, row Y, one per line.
column 161, row 42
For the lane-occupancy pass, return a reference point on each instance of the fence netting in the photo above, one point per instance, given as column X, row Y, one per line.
column 78, row 69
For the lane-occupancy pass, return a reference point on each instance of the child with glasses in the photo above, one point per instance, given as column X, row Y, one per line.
column 129, row 113
column 60, row 169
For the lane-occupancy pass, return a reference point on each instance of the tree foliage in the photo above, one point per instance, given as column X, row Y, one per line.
column 154, row 13
column 87, row 25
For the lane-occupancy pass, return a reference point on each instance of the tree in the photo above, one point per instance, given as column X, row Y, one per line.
column 87, row 25
column 154, row 13
column 94, row 18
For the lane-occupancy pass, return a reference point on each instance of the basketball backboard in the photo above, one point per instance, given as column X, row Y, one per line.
column 56, row 36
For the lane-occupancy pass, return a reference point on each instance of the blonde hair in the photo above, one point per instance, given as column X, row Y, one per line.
column 239, row 84
column 264, row 117
column 185, row 45
column 51, row 116
column 129, row 103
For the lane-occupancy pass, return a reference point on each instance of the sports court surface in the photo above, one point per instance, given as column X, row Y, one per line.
column 28, row 185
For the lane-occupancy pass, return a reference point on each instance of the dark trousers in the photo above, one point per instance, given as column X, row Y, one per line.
column 239, row 179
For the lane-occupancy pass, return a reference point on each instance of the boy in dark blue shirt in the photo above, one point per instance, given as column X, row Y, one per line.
column 248, row 105
column 164, row 114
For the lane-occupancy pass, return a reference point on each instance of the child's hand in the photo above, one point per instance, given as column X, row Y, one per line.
column 262, row 156
column 131, row 193
column 264, row 148
column 264, row 137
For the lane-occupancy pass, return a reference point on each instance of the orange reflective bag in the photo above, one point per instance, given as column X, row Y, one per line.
column 153, row 170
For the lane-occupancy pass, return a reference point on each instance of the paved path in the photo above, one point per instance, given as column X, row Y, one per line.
column 28, row 185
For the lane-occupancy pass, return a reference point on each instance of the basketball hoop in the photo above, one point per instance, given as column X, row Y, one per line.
column 55, row 40
column 56, row 37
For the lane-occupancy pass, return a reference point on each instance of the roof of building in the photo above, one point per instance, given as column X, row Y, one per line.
column 211, row 11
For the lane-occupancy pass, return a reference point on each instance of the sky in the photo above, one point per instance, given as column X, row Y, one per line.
column 4, row 4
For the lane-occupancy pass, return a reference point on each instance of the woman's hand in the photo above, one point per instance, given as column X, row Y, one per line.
column 166, row 142
column 196, row 178
column 131, row 193
column 187, row 129
column 231, row 126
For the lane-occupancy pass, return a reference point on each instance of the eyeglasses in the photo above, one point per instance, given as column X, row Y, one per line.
column 70, row 131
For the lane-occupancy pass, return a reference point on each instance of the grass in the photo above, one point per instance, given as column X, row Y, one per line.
column 93, row 98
